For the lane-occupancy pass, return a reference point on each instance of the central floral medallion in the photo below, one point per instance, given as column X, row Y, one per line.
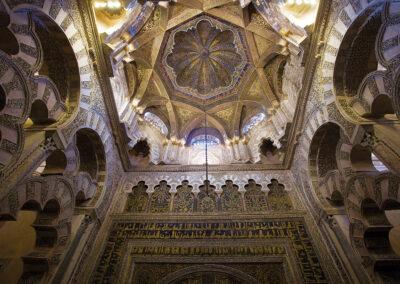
column 204, row 58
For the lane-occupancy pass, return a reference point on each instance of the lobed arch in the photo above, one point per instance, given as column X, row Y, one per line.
column 93, row 123
column 88, row 173
column 367, row 199
column 328, row 159
column 382, row 189
column 141, row 152
column 274, row 71
column 231, row 197
column 91, row 167
column 14, row 79
column 51, row 12
column 137, row 200
column 357, row 103
column 374, row 97
column 14, row 108
column 55, row 164
column 154, row 142
column 40, row 189
column 92, row 157
column 194, row 181
column 52, row 197
column 387, row 48
column 334, row 161
column 269, row 151
column 183, row 200
column 9, row 44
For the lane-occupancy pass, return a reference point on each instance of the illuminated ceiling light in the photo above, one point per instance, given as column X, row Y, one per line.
column 300, row 2
column 111, row 4
column 114, row 4
column 100, row 4
column 163, row 4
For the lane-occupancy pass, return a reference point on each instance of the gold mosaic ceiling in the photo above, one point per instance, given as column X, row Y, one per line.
column 204, row 58
column 212, row 55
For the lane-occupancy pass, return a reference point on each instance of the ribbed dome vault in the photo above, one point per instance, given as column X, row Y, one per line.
column 204, row 58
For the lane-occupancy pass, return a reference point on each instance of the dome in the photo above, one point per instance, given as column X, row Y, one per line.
column 205, row 59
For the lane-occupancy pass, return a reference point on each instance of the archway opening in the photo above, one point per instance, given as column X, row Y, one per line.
column 39, row 113
column 381, row 106
column 92, row 167
column 80, row 198
column 140, row 153
column 356, row 56
column 55, row 164
column 59, row 62
column 392, row 213
column 267, row 148
column 274, row 71
column 91, row 152
column 17, row 239
column 51, row 210
column 336, row 199
column 33, row 229
column 141, row 149
column 322, row 157
column 376, row 236
column 361, row 159
column 197, row 137
column 372, row 213
column 8, row 42
column 3, row 98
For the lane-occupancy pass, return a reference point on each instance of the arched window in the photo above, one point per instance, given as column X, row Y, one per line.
column 378, row 165
column 156, row 122
column 197, row 137
column 201, row 141
column 256, row 119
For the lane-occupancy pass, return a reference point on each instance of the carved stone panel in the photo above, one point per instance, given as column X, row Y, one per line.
column 231, row 199
column 138, row 199
column 255, row 199
column 207, row 200
column 278, row 198
column 184, row 199
column 160, row 199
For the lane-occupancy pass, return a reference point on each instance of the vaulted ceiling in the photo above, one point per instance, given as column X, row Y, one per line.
column 198, row 56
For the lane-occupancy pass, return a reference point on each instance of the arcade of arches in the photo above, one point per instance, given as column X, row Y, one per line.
column 200, row 141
